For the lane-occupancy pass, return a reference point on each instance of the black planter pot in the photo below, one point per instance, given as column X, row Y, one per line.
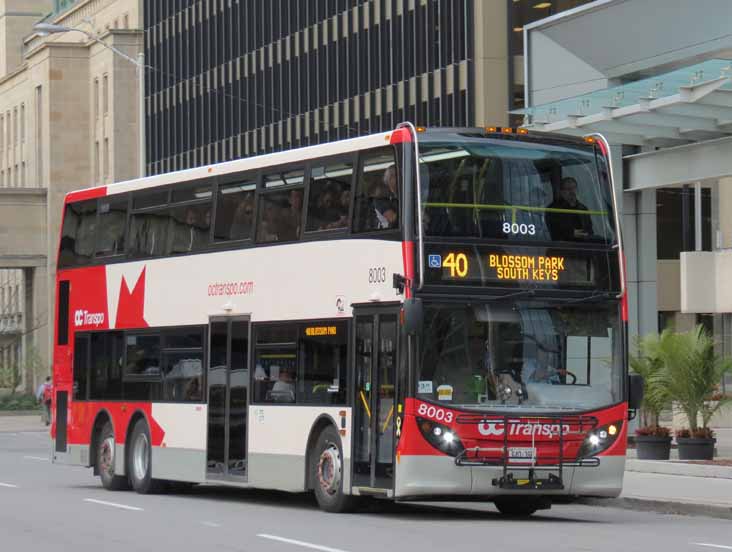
column 695, row 449
column 649, row 447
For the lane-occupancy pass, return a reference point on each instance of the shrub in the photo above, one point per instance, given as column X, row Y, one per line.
column 18, row 402
column 653, row 431
column 698, row 433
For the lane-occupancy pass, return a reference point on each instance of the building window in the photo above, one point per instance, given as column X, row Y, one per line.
column 106, row 158
column 105, row 93
column 22, row 175
column 666, row 319
column 2, row 133
column 39, row 141
column 671, row 236
column 96, row 98
column 15, row 125
column 126, row 20
column 22, row 122
column 96, row 162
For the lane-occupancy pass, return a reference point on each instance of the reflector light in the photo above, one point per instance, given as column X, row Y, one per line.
column 421, row 129
column 490, row 129
column 507, row 130
column 522, row 131
column 590, row 139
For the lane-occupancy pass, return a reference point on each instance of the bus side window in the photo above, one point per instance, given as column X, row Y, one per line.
column 78, row 234
column 112, row 222
column 330, row 197
column 377, row 192
column 235, row 211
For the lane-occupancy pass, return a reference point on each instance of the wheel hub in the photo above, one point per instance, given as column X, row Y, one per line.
column 329, row 470
column 140, row 456
column 106, row 456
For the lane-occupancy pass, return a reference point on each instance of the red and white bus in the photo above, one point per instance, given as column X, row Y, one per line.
column 417, row 314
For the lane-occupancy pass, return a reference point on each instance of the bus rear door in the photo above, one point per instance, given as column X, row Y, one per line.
column 374, row 402
column 228, row 379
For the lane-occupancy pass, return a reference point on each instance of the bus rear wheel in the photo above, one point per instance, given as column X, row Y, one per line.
column 327, row 467
column 139, row 461
column 106, row 449
column 521, row 507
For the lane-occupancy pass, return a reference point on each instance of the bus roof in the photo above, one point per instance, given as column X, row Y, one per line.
column 311, row 152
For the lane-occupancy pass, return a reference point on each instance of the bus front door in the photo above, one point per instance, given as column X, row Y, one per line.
column 374, row 403
column 228, row 378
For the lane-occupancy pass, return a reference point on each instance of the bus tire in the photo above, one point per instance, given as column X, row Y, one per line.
column 520, row 507
column 327, row 466
column 139, row 461
column 106, row 450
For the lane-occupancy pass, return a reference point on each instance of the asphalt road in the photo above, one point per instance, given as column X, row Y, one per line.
column 48, row 507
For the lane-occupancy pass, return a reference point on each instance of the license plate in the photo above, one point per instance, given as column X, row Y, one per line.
column 522, row 455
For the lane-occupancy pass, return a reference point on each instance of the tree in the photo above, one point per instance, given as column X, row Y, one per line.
column 647, row 363
column 691, row 374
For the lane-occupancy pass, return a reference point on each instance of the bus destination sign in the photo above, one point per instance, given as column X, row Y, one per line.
column 517, row 266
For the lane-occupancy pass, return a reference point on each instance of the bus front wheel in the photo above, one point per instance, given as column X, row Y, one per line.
column 139, row 461
column 327, row 466
column 106, row 449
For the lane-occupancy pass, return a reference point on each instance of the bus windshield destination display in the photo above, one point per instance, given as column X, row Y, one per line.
column 515, row 266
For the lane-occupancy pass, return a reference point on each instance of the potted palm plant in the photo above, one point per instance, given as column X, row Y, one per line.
column 690, row 375
column 653, row 441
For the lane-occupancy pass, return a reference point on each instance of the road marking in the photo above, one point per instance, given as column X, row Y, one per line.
column 113, row 504
column 36, row 458
column 722, row 546
column 9, row 485
column 211, row 524
column 300, row 543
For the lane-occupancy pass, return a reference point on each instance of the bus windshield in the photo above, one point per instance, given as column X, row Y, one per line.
column 517, row 191
column 528, row 355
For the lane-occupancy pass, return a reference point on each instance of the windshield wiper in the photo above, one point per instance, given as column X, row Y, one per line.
column 602, row 294
column 513, row 294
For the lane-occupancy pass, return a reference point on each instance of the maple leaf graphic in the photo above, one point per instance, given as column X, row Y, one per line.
column 131, row 306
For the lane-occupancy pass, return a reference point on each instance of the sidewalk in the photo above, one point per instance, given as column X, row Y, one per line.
column 678, row 487
column 12, row 422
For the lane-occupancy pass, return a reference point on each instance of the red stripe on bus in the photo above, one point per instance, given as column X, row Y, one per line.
column 408, row 258
column 400, row 135
column 91, row 193
column 603, row 149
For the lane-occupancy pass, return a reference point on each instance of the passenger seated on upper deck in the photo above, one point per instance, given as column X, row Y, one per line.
column 386, row 200
column 241, row 227
column 565, row 226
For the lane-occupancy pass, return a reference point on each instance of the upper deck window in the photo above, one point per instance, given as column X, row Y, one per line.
column 78, row 234
column 330, row 196
column 280, row 211
column 235, row 211
column 377, row 193
column 515, row 191
column 112, row 223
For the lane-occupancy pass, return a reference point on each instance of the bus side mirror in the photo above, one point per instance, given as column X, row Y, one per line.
column 635, row 391
column 412, row 316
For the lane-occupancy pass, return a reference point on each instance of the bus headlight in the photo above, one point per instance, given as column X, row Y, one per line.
column 599, row 439
column 442, row 438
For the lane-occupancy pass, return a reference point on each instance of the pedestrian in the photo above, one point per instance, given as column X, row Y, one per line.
column 43, row 395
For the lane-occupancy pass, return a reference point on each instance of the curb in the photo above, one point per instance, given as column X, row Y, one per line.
column 661, row 506
column 670, row 467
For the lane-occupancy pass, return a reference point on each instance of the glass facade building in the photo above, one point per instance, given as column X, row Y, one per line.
column 246, row 77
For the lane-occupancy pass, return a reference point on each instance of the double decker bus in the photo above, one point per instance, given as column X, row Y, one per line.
column 417, row 314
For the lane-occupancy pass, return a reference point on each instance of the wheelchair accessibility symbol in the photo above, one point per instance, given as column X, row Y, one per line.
column 434, row 261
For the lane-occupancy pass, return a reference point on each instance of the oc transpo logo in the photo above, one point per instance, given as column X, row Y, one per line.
column 546, row 430
column 85, row 318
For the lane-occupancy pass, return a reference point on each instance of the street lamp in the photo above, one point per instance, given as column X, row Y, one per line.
column 45, row 29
